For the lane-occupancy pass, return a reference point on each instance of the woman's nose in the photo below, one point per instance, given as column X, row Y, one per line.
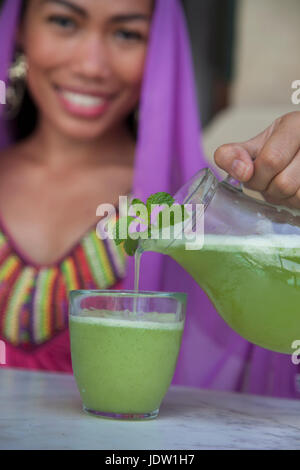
column 91, row 59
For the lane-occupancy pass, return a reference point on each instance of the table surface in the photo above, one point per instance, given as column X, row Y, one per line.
column 43, row 411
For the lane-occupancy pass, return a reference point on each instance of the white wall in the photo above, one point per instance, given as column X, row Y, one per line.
column 268, row 54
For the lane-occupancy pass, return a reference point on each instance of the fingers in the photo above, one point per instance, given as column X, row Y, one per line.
column 286, row 184
column 269, row 162
column 236, row 160
column 294, row 201
column 277, row 153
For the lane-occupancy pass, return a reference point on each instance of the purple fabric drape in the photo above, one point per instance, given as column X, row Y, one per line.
column 168, row 154
column 8, row 26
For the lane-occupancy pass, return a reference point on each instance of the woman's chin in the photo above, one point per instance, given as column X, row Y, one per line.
column 83, row 131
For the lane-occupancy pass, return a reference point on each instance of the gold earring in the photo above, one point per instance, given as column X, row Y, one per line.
column 17, row 84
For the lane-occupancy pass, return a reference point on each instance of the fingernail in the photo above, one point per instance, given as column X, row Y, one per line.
column 239, row 169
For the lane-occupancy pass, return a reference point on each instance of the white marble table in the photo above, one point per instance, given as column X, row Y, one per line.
column 43, row 411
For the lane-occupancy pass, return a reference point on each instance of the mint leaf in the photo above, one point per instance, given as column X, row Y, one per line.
column 169, row 216
column 159, row 199
column 117, row 236
column 130, row 246
column 154, row 215
column 137, row 201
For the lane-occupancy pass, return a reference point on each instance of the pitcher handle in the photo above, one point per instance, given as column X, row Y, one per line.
column 234, row 182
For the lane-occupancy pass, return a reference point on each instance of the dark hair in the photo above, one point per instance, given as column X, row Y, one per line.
column 25, row 121
column 23, row 7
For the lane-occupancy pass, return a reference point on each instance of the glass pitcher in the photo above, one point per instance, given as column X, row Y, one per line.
column 249, row 264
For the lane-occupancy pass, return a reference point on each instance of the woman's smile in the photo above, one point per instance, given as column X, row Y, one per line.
column 84, row 103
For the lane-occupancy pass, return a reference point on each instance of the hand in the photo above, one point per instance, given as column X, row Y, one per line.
column 268, row 163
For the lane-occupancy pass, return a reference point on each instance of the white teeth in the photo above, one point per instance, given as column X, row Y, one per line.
column 87, row 101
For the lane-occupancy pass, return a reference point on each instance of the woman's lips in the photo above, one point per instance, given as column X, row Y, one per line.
column 83, row 104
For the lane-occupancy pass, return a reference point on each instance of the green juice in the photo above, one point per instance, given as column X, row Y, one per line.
column 124, row 365
column 254, row 283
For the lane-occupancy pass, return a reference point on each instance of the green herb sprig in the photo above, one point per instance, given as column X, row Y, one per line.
column 150, row 216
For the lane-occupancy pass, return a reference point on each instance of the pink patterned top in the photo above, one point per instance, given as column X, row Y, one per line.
column 34, row 298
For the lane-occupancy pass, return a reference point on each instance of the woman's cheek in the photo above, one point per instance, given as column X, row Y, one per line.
column 46, row 50
column 130, row 67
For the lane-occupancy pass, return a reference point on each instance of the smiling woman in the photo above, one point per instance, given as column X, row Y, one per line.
column 89, row 65
column 84, row 69
column 85, row 62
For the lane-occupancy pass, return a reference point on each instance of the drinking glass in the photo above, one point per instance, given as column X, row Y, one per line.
column 124, row 347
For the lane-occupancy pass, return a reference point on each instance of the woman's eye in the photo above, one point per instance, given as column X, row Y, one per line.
column 126, row 35
column 63, row 21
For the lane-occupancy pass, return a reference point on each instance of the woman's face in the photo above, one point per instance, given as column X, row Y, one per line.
column 85, row 61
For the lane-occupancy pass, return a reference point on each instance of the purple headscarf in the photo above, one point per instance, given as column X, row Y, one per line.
column 168, row 154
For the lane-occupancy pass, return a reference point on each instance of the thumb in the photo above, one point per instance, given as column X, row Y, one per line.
column 237, row 159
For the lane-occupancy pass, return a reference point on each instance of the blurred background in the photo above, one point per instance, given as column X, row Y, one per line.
column 246, row 55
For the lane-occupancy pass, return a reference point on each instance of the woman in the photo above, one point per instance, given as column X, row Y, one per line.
column 89, row 65
column 84, row 72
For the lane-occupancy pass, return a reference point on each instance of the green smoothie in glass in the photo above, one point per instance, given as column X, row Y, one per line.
column 124, row 361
